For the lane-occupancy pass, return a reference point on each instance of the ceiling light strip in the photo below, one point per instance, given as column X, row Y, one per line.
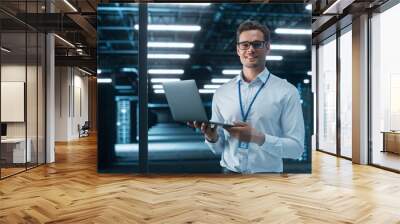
column 211, row 86
column 170, row 45
column 231, row 71
column 274, row 58
column 157, row 86
column 5, row 50
column 166, row 71
column 335, row 4
column 182, row 28
column 84, row 71
column 168, row 56
column 159, row 91
column 289, row 47
column 162, row 80
column 65, row 41
column 104, row 80
column 206, row 91
column 180, row 4
column 220, row 80
column 293, row 31
column 70, row 5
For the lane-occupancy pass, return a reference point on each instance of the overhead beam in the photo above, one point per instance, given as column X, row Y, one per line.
column 83, row 61
column 86, row 26
column 79, row 20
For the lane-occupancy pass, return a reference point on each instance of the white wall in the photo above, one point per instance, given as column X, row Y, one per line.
column 61, row 103
column 14, row 73
column 33, row 126
column 71, row 102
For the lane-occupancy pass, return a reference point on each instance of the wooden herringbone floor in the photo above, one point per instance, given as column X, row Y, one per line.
column 71, row 191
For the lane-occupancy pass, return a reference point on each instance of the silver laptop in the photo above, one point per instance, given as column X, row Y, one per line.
column 185, row 103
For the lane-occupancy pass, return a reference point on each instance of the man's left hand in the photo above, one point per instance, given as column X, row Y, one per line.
column 244, row 132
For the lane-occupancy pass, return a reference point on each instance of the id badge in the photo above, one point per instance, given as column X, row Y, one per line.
column 243, row 145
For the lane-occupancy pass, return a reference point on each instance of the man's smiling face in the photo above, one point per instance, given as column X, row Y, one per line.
column 252, row 58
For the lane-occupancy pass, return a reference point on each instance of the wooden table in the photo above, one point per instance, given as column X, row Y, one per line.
column 391, row 141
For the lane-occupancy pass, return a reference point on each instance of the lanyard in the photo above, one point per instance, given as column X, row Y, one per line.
column 245, row 115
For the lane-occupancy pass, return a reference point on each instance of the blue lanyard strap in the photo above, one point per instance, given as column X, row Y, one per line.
column 245, row 115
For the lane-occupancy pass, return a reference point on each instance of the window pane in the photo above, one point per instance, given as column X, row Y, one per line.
column 117, row 49
column 15, row 150
column 327, row 97
column 32, row 84
column 41, row 99
column 32, row 100
column 346, row 94
column 385, row 89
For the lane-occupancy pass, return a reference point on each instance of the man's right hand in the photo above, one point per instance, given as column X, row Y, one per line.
column 207, row 129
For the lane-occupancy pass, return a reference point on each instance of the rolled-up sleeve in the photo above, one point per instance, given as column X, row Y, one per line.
column 217, row 147
column 291, row 144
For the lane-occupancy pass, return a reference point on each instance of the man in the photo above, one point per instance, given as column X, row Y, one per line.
column 265, row 110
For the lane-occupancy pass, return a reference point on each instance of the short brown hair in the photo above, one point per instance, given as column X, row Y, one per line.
column 253, row 25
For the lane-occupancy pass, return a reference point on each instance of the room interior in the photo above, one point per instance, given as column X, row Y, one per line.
column 51, row 79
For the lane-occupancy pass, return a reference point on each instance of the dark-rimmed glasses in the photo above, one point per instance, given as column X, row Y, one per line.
column 257, row 44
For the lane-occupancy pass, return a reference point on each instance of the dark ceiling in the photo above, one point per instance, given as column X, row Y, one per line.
column 214, row 45
column 117, row 40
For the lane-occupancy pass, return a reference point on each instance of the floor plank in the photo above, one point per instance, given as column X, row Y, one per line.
column 71, row 191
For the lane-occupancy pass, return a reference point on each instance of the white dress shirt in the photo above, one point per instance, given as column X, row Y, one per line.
column 276, row 113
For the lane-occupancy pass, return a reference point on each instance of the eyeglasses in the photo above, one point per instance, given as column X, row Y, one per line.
column 246, row 44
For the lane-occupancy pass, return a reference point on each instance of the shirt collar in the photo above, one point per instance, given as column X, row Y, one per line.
column 262, row 76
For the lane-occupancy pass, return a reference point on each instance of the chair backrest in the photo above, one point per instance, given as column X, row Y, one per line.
column 86, row 125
